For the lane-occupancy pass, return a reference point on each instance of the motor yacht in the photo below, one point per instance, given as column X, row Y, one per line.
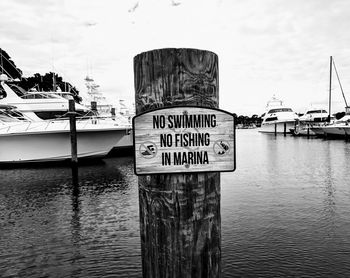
column 24, row 141
column 103, row 105
column 309, row 123
column 38, row 106
column 313, row 115
column 107, row 110
column 277, row 118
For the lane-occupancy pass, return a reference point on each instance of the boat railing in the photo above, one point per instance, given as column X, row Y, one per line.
column 60, row 123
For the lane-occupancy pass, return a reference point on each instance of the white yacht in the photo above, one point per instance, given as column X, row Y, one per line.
column 24, row 141
column 314, row 115
column 278, row 118
column 311, row 123
column 107, row 110
column 106, row 107
column 38, row 106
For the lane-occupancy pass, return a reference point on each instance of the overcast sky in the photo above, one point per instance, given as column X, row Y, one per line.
column 265, row 47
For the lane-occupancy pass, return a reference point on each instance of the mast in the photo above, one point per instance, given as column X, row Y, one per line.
column 341, row 87
column 330, row 88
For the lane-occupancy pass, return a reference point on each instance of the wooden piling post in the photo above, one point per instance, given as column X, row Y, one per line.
column 73, row 132
column 94, row 106
column 180, row 222
column 275, row 129
column 285, row 129
column 113, row 112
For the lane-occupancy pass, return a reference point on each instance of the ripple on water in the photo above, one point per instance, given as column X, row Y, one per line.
column 284, row 213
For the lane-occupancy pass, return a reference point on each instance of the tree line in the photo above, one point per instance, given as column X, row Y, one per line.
column 247, row 121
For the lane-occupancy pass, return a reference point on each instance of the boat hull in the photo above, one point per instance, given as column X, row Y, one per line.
column 303, row 131
column 318, row 131
column 55, row 145
column 334, row 131
column 126, row 142
column 277, row 127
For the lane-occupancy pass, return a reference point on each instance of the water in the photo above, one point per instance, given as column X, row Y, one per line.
column 284, row 211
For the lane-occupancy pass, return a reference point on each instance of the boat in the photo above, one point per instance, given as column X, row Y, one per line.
column 311, row 123
column 340, row 128
column 314, row 115
column 26, row 141
column 38, row 106
column 107, row 111
column 278, row 118
column 97, row 101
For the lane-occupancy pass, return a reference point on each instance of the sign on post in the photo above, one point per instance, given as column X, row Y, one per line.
column 184, row 139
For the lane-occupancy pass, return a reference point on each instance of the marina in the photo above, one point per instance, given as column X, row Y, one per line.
column 284, row 213
column 122, row 155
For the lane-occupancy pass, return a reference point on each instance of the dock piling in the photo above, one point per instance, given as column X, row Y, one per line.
column 180, row 222
column 73, row 132
column 94, row 106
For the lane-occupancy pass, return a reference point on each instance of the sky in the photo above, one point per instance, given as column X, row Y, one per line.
column 265, row 47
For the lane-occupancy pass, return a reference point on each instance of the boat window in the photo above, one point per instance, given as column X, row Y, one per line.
column 271, row 119
column 2, row 92
column 48, row 115
column 280, row 110
column 316, row 111
column 4, row 117
column 18, row 90
column 16, row 114
column 37, row 96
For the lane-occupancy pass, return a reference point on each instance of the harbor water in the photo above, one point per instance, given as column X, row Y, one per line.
column 285, row 212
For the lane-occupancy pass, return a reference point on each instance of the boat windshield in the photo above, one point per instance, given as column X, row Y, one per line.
column 280, row 110
column 4, row 117
column 316, row 111
column 18, row 90
column 37, row 96
column 2, row 92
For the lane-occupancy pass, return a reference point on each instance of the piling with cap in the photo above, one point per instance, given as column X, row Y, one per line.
column 180, row 222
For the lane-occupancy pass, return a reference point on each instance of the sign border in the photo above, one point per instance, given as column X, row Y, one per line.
column 182, row 106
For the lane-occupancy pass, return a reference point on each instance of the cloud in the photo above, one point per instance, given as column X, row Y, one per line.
column 264, row 46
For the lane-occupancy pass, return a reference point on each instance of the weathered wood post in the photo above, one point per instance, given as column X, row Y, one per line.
column 113, row 112
column 275, row 129
column 94, row 106
column 73, row 132
column 285, row 129
column 180, row 221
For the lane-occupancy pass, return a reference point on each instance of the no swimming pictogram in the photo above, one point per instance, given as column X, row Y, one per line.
column 148, row 150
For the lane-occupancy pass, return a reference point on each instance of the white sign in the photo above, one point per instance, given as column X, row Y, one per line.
column 184, row 139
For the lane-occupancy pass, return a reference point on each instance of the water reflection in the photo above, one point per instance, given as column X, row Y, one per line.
column 78, row 228
column 292, row 222
column 284, row 211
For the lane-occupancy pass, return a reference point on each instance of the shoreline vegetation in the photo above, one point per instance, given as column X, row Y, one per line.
column 246, row 122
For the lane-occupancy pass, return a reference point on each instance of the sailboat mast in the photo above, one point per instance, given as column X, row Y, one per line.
column 330, row 88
